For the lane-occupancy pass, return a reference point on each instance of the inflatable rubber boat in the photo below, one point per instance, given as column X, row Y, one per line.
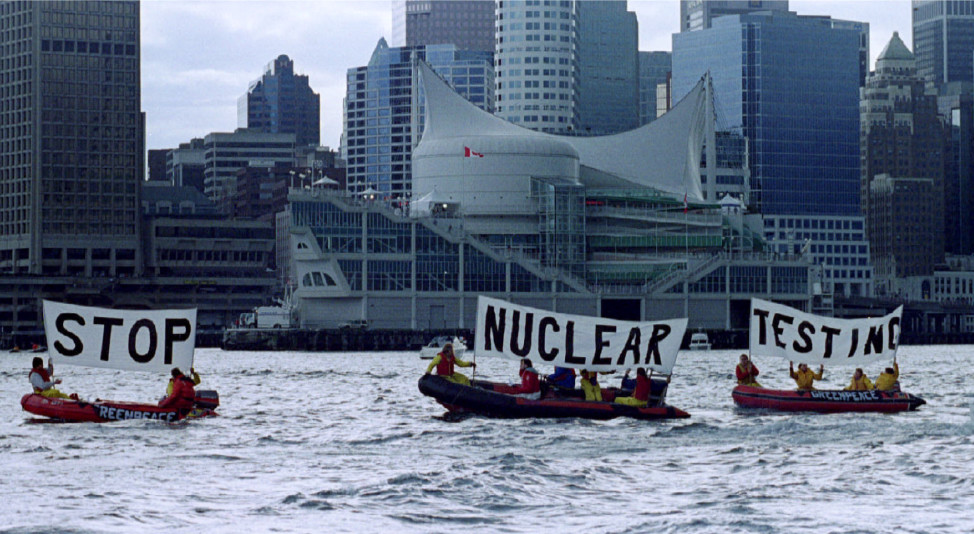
column 825, row 401
column 101, row 411
column 497, row 400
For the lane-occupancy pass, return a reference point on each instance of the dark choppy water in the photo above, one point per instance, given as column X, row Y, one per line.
column 345, row 443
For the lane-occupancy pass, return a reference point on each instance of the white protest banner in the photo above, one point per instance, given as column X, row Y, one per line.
column 784, row 332
column 577, row 341
column 135, row 340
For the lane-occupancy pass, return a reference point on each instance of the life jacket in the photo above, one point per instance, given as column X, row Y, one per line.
column 187, row 392
column 445, row 367
column 591, row 376
column 746, row 377
column 44, row 375
column 862, row 384
column 563, row 377
column 641, row 393
column 529, row 381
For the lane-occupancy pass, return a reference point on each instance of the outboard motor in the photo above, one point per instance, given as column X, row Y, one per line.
column 207, row 398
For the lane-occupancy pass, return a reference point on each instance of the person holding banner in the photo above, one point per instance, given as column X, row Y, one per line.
column 183, row 396
column 590, row 386
column 563, row 377
column 444, row 362
column 805, row 377
column 888, row 379
column 193, row 375
column 530, row 386
column 860, row 382
column 41, row 379
column 640, row 395
column 747, row 372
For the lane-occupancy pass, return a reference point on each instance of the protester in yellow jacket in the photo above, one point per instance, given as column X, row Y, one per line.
column 590, row 385
column 804, row 377
column 444, row 362
column 860, row 382
column 887, row 380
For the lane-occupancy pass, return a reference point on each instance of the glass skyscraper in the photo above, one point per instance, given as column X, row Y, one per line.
column 468, row 24
column 282, row 102
column 699, row 14
column 608, row 68
column 943, row 40
column 790, row 84
column 567, row 67
column 384, row 114
column 536, row 62
column 654, row 69
column 71, row 143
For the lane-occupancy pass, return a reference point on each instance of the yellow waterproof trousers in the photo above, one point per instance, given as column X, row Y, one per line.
column 631, row 401
column 53, row 393
column 458, row 378
column 591, row 392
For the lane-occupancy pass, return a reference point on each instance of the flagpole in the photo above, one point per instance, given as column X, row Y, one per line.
column 686, row 244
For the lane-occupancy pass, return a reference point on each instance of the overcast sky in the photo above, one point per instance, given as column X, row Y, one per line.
column 199, row 56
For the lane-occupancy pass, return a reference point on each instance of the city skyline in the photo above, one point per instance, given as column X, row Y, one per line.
column 192, row 78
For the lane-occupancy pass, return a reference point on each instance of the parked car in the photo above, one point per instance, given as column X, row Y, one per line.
column 355, row 324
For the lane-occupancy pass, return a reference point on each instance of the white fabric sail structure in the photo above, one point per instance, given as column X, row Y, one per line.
column 664, row 154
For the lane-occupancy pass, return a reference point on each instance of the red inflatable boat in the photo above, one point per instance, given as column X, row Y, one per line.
column 101, row 411
column 497, row 400
column 826, row 401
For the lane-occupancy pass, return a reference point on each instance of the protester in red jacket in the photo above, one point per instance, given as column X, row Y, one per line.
column 640, row 395
column 747, row 372
column 183, row 395
column 530, row 382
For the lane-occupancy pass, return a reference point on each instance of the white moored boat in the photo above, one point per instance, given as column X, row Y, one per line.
column 699, row 341
column 434, row 347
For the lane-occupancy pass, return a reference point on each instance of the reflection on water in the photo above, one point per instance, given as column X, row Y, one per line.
column 345, row 443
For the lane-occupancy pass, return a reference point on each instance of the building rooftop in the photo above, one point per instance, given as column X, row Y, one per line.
column 895, row 49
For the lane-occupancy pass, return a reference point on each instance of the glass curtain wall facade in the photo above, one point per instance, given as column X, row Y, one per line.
column 699, row 14
column 959, row 173
column 654, row 69
column 943, row 40
column 72, row 138
column 467, row 24
column 608, row 68
column 384, row 110
column 790, row 85
column 282, row 102
column 536, row 62
column 401, row 255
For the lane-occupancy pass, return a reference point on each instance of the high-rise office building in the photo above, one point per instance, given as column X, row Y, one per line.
column 943, row 40
column 957, row 110
column 184, row 165
column 225, row 153
column 536, row 63
column 566, row 66
column 608, row 68
column 281, row 101
column 654, row 69
column 699, row 14
column 902, row 145
column 790, row 84
column 72, row 138
column 384, row 113
column 468, row 24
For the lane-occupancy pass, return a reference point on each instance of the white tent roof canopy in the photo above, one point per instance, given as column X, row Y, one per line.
column 664, row 154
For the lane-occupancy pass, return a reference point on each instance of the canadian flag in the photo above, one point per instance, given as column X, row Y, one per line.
column 467, row 153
